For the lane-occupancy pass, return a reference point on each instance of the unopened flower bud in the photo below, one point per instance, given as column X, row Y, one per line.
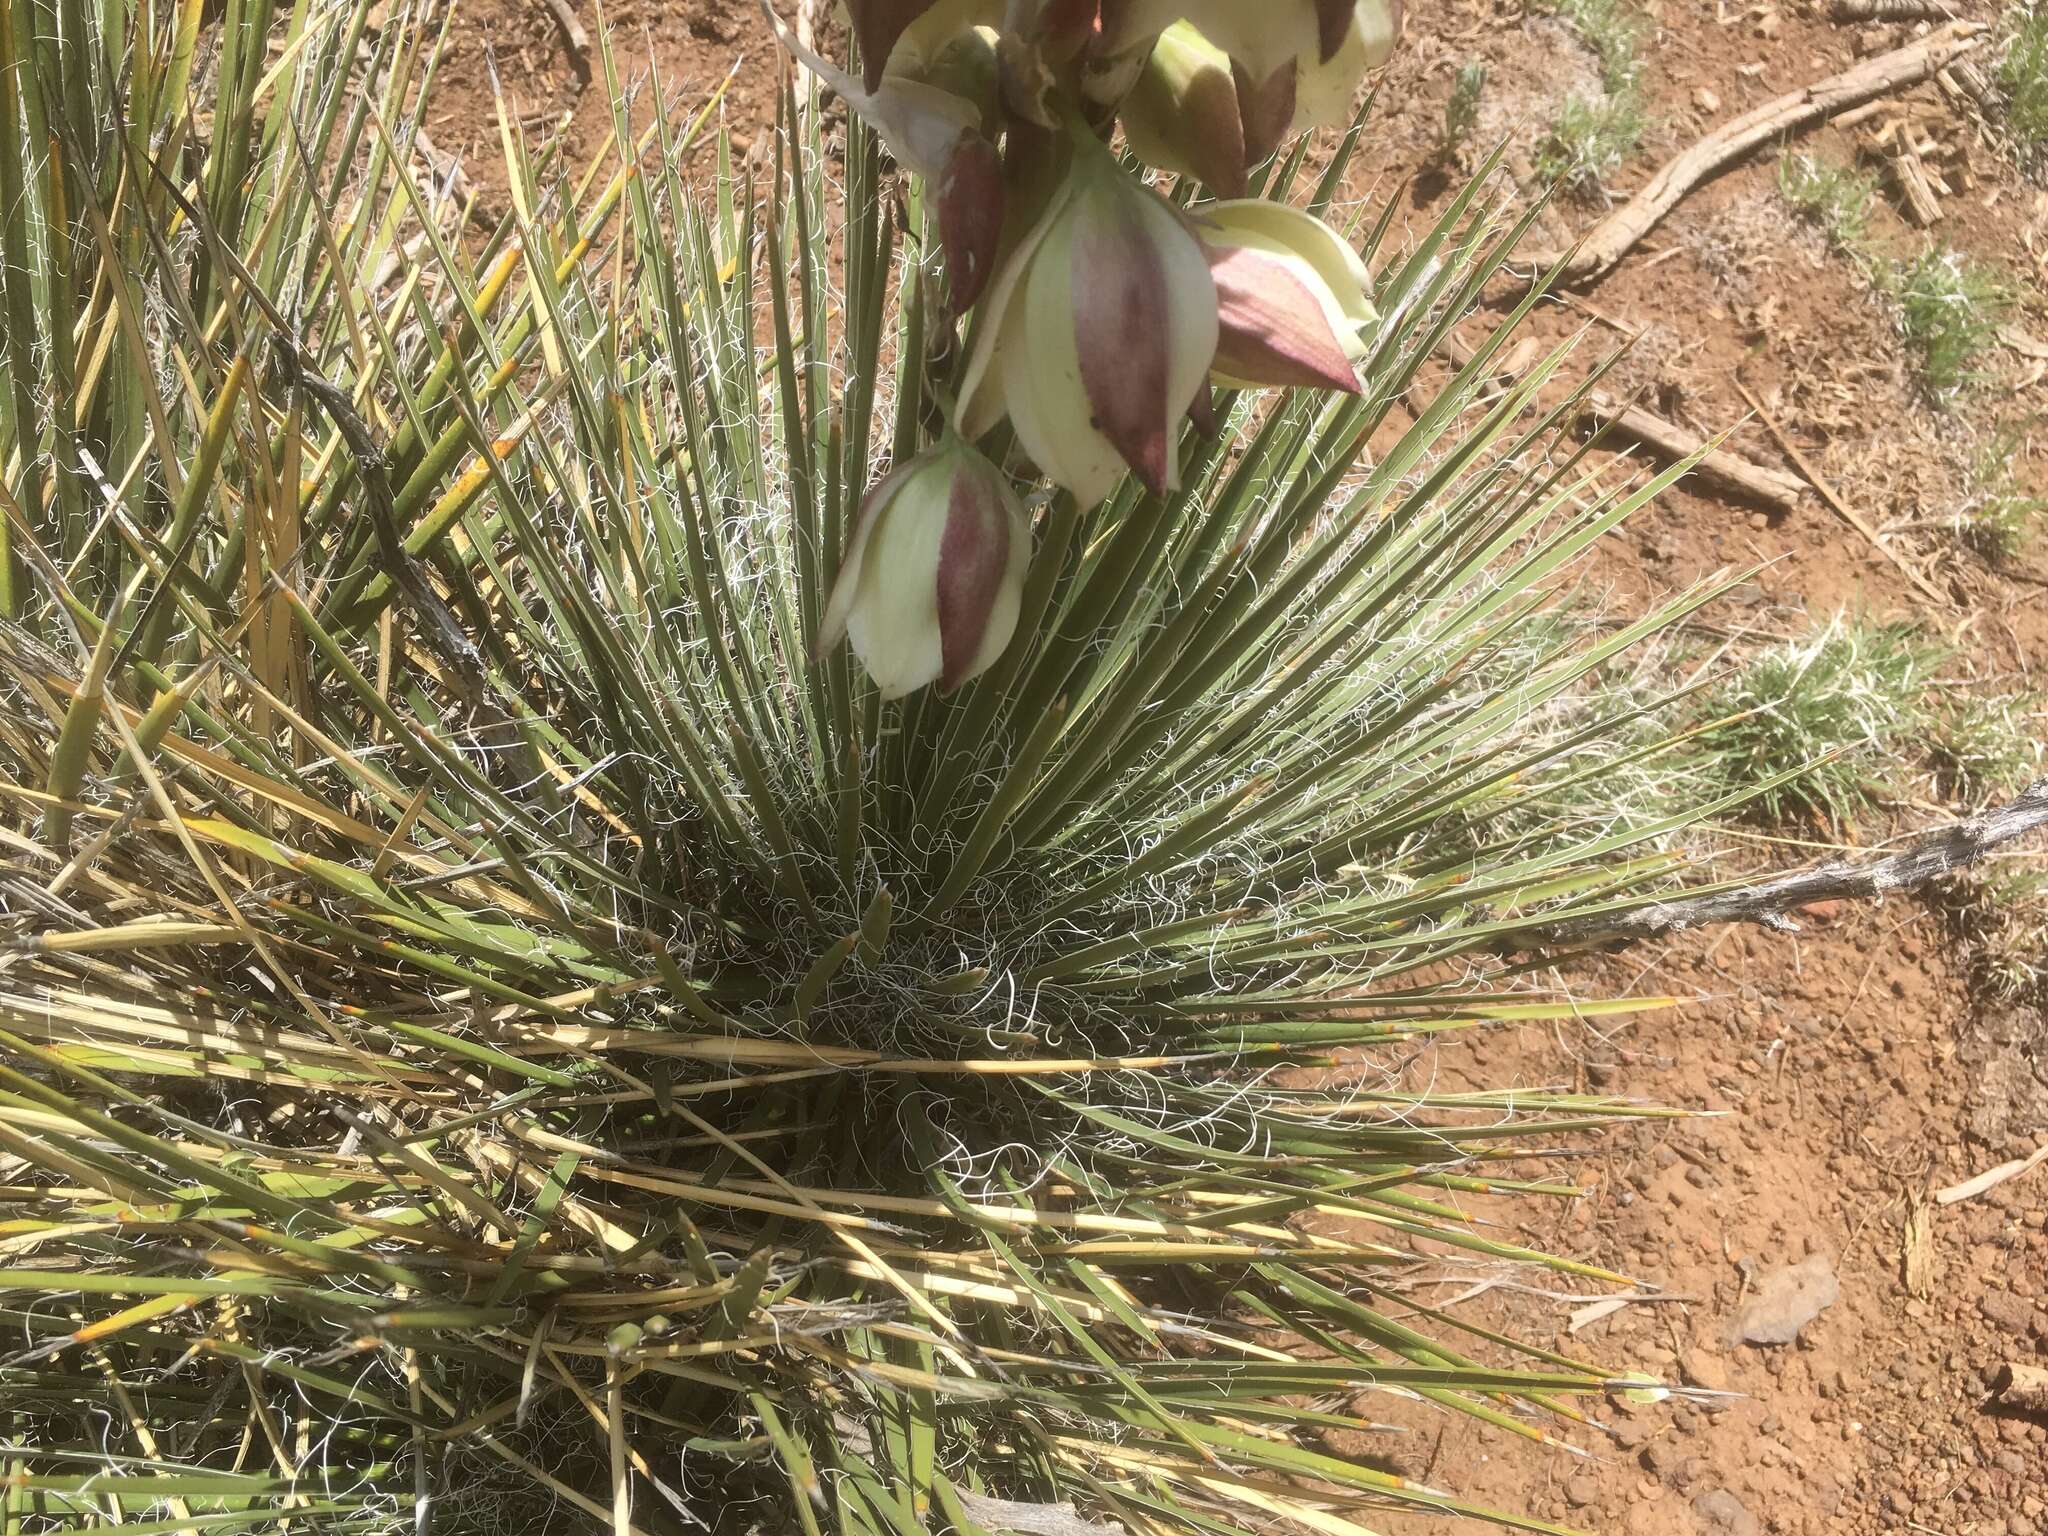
column 938, row 135
column 933, row 577
column 1261, row 35
column 1182, row 115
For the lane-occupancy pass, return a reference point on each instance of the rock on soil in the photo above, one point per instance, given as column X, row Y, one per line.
column 1786, row 1301
column 1720, row 1513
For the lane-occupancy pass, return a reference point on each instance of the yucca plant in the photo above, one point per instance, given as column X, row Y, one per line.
column 495, row 1036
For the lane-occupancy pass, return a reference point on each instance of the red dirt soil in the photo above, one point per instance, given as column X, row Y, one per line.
column 1847, row 1070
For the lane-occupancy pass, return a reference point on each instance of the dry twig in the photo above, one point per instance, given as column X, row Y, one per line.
column 1848, row 513
column 1991, row 1178
column 1891, row 10
column 1614, row 236
column 2024, row 1387
column 572, row 33
column 1720, row 466
column 1932, row 858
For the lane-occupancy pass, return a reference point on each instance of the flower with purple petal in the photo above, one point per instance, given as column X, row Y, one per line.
column 1098, row 333
column 933, row 576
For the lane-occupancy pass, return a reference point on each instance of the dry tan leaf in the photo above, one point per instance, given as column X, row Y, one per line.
column 1918, row 1263
column 1032, row 1519
column 1991, row 1178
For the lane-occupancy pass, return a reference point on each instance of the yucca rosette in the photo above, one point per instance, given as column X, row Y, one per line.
column 933, row 576
column 1292, row 296
column 1097, row 334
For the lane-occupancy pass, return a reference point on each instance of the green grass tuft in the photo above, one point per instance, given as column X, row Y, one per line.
column 1997, row 518
column 2023, row 75
column 1461, row 108
column 1835, row 197
column 1999, row 912
column 1614, row 30
column 1981, row 745
column 1590, row 141
column 1838, row 711
column 1949, row 311
column 1592, row 138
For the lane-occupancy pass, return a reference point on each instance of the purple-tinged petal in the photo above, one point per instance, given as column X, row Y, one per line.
column 1065, row 27
column 1273, row 328
column 970, row 202
column 1265, row 109
column 1333, row 21
column 1182, row 113
column 974, row 558
column 876, row 26
column 1121, row 330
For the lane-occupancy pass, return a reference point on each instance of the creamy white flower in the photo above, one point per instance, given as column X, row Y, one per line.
column 1097, row 334
column 1182, row 115
column 933, row 577
column 1298, row 62
column 937, row 134
column 1292, row 296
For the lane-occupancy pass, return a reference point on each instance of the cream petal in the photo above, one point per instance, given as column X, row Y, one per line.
column 846, row 585
column 925, row 39
column 877, row 24
column 982, row 391
column 1042, row 381
column 1278, row 323
column 919, row 123
column 894, row 625
column 1262, row 35
column 1327, row 88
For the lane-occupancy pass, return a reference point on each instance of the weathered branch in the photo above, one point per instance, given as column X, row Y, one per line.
column 1932, row 858
column 573, row 35
column 2024, row 1387
column 1614, row 236
column 1890, row 10
column 1721, row 467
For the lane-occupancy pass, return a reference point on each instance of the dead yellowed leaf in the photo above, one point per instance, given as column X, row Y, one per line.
column 1918, row 1264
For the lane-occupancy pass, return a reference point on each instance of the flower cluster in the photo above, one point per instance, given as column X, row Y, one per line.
column 1099, row 311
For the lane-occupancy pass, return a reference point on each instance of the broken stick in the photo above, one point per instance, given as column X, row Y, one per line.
column 1915, row 190
column 1847, row 513
column 1729, row 471
column 2024, row 1387
column 1890, row 10
column 572, row 33
column 1934, row 857
column 1722, row 468
column 1614, row 236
